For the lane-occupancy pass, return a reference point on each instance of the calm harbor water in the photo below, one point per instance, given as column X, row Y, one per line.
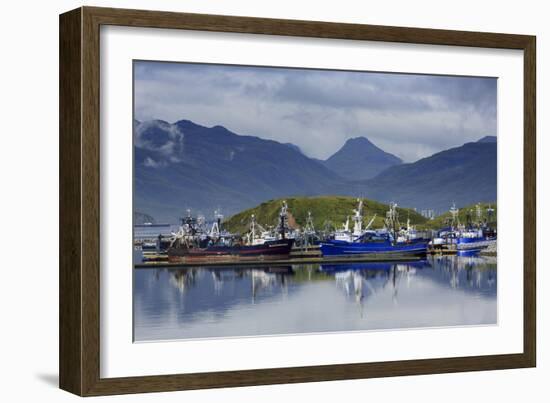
column 270, row 300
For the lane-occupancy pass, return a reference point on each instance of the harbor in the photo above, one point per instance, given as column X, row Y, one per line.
column 310, row 200
column 196, row 241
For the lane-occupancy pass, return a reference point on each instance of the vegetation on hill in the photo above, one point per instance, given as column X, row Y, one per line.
column 444, row 219
column 326, row 211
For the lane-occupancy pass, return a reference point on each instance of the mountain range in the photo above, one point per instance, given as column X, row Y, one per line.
column 183, row 165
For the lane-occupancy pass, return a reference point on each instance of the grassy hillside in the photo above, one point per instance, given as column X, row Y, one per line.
column 325, row 210
column 440, row 221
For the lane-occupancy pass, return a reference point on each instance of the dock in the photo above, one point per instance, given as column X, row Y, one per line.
column 278, row 262
column 442, row 252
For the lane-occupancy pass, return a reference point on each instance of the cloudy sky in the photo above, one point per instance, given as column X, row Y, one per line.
column 411, row 116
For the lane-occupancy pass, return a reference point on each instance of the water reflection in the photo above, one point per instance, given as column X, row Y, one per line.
column 226, row 301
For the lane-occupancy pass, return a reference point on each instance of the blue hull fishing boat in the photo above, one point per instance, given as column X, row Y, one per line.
column 466, row 242
column 478, row 235
column 383, row 244
column 383, row 247
column 468, row 239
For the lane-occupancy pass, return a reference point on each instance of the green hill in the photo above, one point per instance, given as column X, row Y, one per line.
column 326, row 211
column 442, row 220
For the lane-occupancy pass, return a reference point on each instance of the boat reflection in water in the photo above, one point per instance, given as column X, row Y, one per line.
column 204, row 302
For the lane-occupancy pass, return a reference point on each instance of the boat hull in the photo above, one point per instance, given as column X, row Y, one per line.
column 475, row 243
column 270, row 250
column 387, row 249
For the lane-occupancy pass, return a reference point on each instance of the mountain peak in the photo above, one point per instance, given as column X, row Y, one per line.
column 358, row 140
column 152, row 122
column 185, row 124
column 294, row 147
column 360, row 159
column 220, row 127
column 190, row 127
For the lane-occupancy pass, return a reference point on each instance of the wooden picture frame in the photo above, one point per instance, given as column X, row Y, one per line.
column 79, row 317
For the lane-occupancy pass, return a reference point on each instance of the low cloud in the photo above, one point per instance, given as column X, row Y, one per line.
column 161, row 137
column 151, row 163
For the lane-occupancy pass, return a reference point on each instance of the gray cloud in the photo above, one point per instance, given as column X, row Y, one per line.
column 409, row 115
column 161, row 137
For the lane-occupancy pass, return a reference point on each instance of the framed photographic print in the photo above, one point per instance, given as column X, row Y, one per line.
column 249, row 201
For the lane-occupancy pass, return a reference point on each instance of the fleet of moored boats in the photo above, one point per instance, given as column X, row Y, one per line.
column 198, row 241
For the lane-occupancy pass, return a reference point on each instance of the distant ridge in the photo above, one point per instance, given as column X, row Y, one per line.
column 463, row 175
column 142, row 218
column 488, row 139
column 183, row 165
column 360, row 159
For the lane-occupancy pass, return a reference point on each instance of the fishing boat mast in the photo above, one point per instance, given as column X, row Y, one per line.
column 252, row 232
column 392, row 220
column 217, row 225
column 455, row 222
column 490, row 212
column 309, row 230
column 479, row 214
column 346, row 224
column 309, row 224
column 282, row 227
column 358, row 219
